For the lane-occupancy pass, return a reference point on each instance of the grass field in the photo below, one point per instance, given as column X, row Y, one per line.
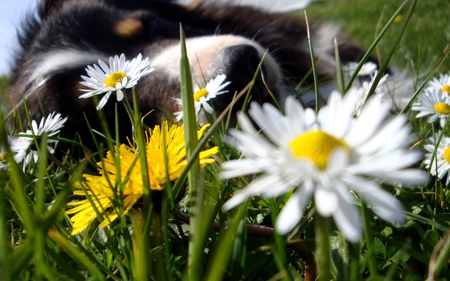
column 422, row 44
column 139, row 216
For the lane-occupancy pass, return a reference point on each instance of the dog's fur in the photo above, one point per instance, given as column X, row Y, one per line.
column 68, row 35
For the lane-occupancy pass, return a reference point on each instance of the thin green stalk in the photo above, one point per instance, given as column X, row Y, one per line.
column 40, row 233
column 323, row 251
column 391, row 51
column 372, row 47
column 167, row 205
column 248, row 95
column 22, row 101
column 439, row 257
column 141, row 144
column 5, row 272
column 339, row 73
column 354, row 262
column 369, row 239
column 195, row 251
column 280, row 254
column 177, row 187
column 76, row 254
column 425, row 82
column 313, row 65
column 130, row 113
column 221, row 253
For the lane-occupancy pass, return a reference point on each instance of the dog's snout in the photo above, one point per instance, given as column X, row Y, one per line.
column 241, row 60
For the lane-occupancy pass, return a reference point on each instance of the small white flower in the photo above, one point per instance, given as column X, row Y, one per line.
column 364, row 91
column 201, row 96
column 442, row 156
column 442, row 84
column 434, row 103
column 23, row 144
column 323, row 157
column 119, row 75
column 368, row 68
column 3, row 163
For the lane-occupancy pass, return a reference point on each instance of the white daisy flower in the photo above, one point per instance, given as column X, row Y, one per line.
column 380, row 90
column 434, row 103
column 119, row 75
column 442, row 84
column 368, row 68
column 201, row 96
column 23, row 145
column 442, row 156
column 323, row 157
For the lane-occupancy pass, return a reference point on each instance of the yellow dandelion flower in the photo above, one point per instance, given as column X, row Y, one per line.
column 105, row 190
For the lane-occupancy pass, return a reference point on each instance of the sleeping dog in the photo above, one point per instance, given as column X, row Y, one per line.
column 68, row 35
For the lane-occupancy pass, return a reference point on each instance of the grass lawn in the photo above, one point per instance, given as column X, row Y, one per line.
column 423, row 43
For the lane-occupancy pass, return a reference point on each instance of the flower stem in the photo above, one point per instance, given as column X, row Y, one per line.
column 130, row 113
column 323, row 247
column 369, row 239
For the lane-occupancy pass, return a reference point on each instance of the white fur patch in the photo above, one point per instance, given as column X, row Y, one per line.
column 279, row 6
column 47, row 63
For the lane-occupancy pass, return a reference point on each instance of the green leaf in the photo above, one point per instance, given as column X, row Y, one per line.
column 379, row 250
column 428, row 242
column 394, row 246
column 339, row 256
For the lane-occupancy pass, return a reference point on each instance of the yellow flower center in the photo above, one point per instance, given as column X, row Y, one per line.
column 446, row 89
column 115, row 78
column 3, row 156
column 200, row 93
column 447, row 154
column 442, row 108
column 398, row 18
column 316, row 146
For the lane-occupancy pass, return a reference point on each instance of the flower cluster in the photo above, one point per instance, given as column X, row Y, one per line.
column 102, row 191
column 324, row 156
column 434, row 102
column 24, row 144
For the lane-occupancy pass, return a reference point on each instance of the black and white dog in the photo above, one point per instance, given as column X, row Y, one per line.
column 68, row 35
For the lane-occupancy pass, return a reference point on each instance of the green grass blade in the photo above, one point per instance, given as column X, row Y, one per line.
column 386, row 61
column 77, row 255
column 373, row 45
column 221, row 253
column 313, row 65
column 339, row 73
column 196, row 244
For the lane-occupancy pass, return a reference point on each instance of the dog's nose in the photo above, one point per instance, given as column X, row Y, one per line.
column 241, row 62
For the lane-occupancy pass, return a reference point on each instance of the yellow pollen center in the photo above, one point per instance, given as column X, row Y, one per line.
column 114, row 78
column 3, row 156
column 447, row 154
column 398, row 18
column 316, row 146
column 446, row 89
column 200, row 93
column 442, row 108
